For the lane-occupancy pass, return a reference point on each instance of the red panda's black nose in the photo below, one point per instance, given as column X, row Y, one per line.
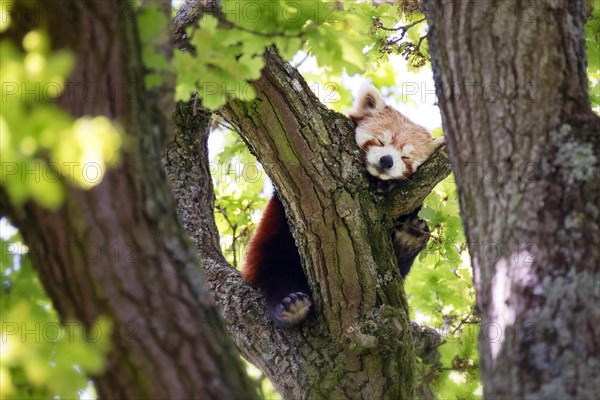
column 386, row 162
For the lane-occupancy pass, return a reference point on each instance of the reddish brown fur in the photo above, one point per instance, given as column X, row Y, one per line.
column 273, row 265
column 271, row 225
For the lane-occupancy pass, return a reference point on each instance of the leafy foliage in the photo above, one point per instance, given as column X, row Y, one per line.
column 228, row 53
column 441, row 295
column 238, row 182
column 41, row 357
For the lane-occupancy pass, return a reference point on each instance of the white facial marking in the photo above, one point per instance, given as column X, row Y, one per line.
column 362, row 136
column 373, row 158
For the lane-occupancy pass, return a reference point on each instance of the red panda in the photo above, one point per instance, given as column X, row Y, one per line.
column 392, row 147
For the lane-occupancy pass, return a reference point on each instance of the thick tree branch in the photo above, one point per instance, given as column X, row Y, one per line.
column 187, row 166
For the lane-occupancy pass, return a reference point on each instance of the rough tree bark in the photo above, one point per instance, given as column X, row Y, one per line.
column 359, row 343
column 143, row 272
column 524, row 145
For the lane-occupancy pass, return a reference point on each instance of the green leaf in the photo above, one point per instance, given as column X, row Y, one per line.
column 151, row 22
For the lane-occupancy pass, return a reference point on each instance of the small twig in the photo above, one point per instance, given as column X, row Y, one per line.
column 418, row 47
column 302, row 61
column 403, row 28
column 233, row 228
column 464, row 321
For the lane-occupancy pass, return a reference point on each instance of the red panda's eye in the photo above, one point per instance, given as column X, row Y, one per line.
column 380, row 142
column 405, row 158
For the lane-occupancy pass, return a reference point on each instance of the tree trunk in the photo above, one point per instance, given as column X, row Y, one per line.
column 359, row 343
column 117, row 250
column 524, row 144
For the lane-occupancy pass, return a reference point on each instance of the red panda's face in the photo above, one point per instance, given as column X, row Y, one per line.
column 387, row 155
column 392, row 145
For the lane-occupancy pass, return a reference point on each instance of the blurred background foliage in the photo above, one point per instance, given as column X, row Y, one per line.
column 42, row 148
column 40, row 356
column 335, row 45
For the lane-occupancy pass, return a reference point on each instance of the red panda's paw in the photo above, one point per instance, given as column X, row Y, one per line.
column 380, row 186
column 411, row 235
column 385, row 187
column 292, row 310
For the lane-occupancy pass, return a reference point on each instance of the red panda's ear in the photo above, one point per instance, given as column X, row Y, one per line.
column 368, row 101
